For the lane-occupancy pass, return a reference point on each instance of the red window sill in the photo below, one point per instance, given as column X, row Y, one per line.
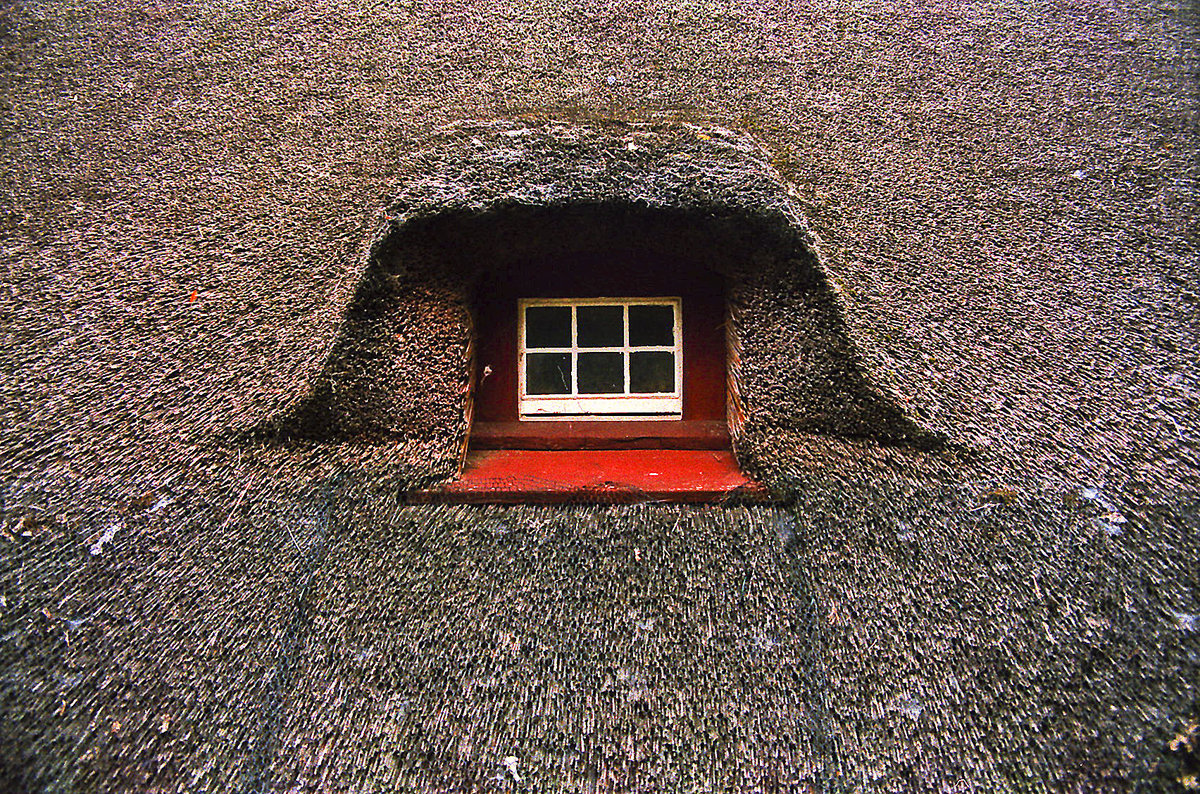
column 625, row 475
column 579, row 435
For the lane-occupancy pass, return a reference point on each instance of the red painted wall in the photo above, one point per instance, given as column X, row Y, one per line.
column 608, row 275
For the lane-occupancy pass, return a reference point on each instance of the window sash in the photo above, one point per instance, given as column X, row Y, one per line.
column 666, row 405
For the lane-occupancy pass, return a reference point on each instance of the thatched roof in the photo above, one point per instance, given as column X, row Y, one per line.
column 1004, row 197
column 501, row 197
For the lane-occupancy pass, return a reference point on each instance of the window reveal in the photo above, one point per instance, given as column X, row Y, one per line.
column 603, row 358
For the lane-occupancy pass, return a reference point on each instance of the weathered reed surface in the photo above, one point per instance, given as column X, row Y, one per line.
column 1005, row 198
column 873, row 634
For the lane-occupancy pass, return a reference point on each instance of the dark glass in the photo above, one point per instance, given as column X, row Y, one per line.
column 601, row 326
column 601, row 373
column 547, row 373
column 651, row 373
column 651, row 325
column 548, row 326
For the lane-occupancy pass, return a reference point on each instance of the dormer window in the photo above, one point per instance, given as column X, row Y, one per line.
column 600, row 358
column 593, row 313
column 600, row 375
column 599, row 345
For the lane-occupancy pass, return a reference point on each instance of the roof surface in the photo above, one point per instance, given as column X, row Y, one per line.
column 1005, row 195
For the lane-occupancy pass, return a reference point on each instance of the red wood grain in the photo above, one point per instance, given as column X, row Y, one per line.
column 600, row 435
column 539, row 476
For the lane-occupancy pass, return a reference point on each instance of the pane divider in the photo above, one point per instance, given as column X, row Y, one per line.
column 574, row 353
column 625, row 352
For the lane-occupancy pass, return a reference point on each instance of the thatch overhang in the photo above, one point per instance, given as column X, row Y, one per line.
column 484, row 198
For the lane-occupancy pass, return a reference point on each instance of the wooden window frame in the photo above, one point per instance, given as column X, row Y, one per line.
column 610, row 407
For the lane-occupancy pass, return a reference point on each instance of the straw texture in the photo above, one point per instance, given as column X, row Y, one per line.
column 201, row 201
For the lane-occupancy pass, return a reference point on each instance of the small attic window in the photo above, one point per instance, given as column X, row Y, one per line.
column 600, row 358
column 603, row 347
column 599, row 375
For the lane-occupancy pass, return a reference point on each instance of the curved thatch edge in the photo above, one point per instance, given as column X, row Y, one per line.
column 481, row 168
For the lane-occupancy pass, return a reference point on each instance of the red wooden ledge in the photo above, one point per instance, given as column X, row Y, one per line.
column 600, row 435
column 631, row 475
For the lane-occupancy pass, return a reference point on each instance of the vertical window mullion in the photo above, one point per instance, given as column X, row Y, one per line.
column 522, row 377
column 625, row 344
column 574, row 353
column 677, row 318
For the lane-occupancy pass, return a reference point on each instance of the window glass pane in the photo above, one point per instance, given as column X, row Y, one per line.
column 547, row 373
column 548, row 326
column 651, row 373
column 601, row 373
column 601, row 326
column 651, row 325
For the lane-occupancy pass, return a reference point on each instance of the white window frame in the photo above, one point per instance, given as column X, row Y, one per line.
column 600, row 406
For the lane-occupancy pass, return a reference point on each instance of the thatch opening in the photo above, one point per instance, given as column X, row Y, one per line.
column 404, row 364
